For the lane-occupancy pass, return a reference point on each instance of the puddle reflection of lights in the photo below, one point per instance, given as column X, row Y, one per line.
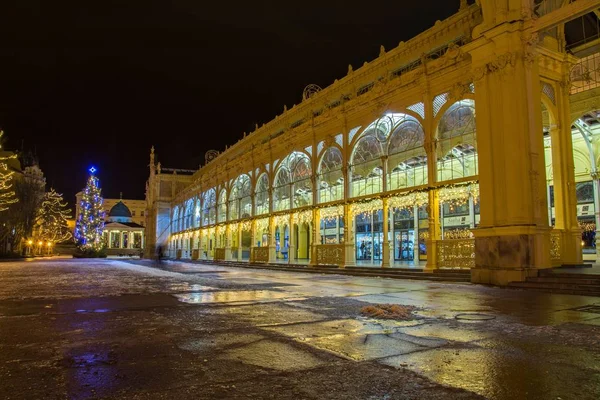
column 229, row 297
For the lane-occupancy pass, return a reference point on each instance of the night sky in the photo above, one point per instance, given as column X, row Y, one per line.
column 100, row 82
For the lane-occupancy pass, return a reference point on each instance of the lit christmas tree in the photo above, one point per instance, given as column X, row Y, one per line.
column 52, row 218
column 7, row 194
column 90, row 223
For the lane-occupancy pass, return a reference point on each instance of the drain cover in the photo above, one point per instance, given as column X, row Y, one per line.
column 590, row 309
column 475, row 317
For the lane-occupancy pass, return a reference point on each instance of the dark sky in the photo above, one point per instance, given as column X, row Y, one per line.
column 99, row 82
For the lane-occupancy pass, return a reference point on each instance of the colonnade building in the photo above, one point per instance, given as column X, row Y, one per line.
column 473, row 145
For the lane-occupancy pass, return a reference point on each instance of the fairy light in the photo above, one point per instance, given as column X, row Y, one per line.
column 366, row 208
column 408, row 201
column 90, row 223
column 331, row 213
column 52, row 217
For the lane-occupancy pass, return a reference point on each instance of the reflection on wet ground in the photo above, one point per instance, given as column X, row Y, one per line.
column 131, row 330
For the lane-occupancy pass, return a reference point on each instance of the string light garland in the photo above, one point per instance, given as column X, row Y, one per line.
column 52, row 218
column 458, row 195
column 7, row 195
column 408, row 201
column 262, row 225
column 366, row 208
column 331, row 213
column 90, row 223
column 458, row 234
column 303, row 217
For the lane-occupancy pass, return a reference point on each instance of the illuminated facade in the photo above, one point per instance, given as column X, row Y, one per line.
column 461, row 147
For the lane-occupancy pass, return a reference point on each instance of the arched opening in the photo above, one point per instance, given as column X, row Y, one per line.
column 407, row 159
column 457, row 142
column 302, row 241
column 282, row 242
column 240, row 201
column 293, row 183
column 457, row 159
column 261, row 196
column 222, row 206
column 366, row 162
column 331, row 177
column 209, row 210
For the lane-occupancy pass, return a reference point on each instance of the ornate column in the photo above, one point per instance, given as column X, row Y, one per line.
column 512, row 241
column 316, row 236
column 228, row 233
column 349, row 236
column 240, row 232
column 563, row 171
column 433, row 213
column 385, row 247
column 272, row 242
column 596, row 178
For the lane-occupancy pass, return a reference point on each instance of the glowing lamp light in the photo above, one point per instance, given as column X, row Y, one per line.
column 40, row 243
column 30, row 242
column 49, row 244
column 93, row 170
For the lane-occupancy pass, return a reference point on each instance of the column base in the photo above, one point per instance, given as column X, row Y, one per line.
column 291, row 254
column 501, row 276
column 510, row 254
column 272, row 254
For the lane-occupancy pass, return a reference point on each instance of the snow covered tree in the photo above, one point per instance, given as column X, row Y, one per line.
column 52, row 218
column 90, row 222
column 7, row 194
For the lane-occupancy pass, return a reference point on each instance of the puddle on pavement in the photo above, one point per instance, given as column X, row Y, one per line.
column 274, row 355
column 271, row 314
column 363, row 347
column 230, row 296
column 503, row 373
column 445, row 332
column 336, row 327
column 189, row 287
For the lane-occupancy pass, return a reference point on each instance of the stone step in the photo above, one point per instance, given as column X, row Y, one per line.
column 556, row 286
column 559, row 279
column 579, row 292
column 365, row 272
column 550, row 273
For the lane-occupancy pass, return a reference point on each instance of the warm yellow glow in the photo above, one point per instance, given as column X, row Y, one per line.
column 40, row 243
column 30, row 242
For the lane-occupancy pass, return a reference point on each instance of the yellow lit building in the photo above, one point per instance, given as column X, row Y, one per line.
column 464, row 147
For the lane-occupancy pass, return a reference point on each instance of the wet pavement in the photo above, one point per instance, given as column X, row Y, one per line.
column 82, row 329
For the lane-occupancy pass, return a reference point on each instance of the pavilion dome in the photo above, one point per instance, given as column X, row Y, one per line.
column 119, row 210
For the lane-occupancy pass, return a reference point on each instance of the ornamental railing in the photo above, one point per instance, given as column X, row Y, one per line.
column 555, row 248
column 331, row 254
column 259, row 255
column 456, row 253
column 220, row 254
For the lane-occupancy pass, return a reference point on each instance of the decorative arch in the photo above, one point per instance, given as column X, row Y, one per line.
column 407, row 158
column 222, row 206
column 292, row 187
column 197, row 212
column 240, row 200
column 261, row 195
column 175, row 220
column 188, row 214
column 209, row 207
column 457, row 141
column 331, row 175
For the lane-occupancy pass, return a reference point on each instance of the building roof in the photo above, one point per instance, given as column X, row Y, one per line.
column 108, row 225
column 120, row 210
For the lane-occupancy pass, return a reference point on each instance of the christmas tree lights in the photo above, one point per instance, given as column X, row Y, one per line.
column 90, row 223
column 52, row 218
column 7, row 195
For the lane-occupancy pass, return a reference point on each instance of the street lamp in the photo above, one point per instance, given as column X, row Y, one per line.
column 29, row 248
column 49, row 247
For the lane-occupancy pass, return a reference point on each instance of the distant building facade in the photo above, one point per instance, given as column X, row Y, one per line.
column 124, row 226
